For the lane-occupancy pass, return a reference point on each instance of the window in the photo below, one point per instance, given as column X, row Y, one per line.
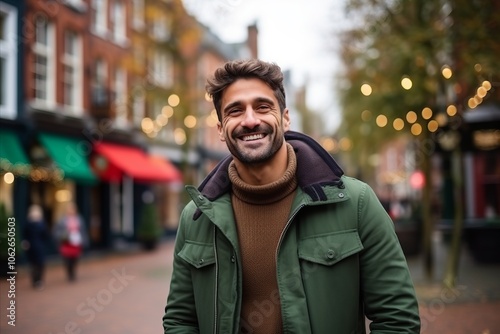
column 491, row 184
column 138, row 14
column 8, row 61
column 99, row 12
column 72, row 72
column 101, row 73
column 160, row 29
column 161, row 68
column 100, row 94
column 78, row 5
column 120, row 85
column 44, row 66
column 118, row 23
column 139, row 101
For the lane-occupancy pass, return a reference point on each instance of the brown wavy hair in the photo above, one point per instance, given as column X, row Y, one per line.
column 231, row 71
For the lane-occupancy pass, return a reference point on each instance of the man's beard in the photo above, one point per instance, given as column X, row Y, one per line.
column 269, row 150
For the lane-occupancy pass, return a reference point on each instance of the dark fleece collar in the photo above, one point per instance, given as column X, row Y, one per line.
column 315, row 168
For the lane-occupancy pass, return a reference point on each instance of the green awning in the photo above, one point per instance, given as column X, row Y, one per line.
column 67, row 154
column 12, row 155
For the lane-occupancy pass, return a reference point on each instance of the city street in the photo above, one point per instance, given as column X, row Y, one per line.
column 121, row 293
column 126, row 292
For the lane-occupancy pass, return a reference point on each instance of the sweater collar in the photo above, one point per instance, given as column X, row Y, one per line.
column 267, row 193
column 315, row 168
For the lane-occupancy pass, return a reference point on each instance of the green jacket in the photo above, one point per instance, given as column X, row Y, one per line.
column 338, row 259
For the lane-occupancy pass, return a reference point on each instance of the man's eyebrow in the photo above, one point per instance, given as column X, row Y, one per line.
column 264, row 99
column 231, row 105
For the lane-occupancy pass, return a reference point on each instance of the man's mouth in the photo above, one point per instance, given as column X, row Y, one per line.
column 253, row 137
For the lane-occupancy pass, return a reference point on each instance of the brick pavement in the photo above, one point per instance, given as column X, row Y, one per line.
column 472, row 307
column 126, row 293
column 122, row 294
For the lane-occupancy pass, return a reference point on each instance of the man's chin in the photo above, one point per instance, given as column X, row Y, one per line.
column 253, row 157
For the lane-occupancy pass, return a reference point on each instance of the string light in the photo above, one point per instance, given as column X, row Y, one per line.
column 366, row 115
column 416, row 129
column 446, row 72
column 411, row 117
column 190, row 121
column 406, row 83
column 174, row 100
column 451, row 110
column 366, row 89
column 433, row 126
column 398, row 124
column 427, row 113
column 381, row 120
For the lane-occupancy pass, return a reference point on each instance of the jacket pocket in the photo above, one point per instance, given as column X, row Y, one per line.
column 328, row 249
column 198, row 255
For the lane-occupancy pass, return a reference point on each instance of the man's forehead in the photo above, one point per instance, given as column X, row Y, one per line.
column 247, row 89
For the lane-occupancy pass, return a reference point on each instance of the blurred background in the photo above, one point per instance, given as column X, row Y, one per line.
column 102, row 103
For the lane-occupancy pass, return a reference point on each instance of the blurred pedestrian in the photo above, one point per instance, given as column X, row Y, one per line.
column 277, row 239
column 35, row 238
column 72, row 237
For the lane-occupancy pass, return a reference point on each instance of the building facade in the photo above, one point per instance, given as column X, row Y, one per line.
column 103, row 104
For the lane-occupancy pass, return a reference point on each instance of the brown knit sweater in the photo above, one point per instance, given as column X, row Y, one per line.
column 261, row 213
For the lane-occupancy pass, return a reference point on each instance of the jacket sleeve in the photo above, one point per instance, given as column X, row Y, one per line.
column 180, row 313
column 387, row 289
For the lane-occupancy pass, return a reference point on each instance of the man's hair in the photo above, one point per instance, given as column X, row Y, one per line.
column 231, row 71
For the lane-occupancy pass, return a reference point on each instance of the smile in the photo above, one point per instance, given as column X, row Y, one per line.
column 252, row 137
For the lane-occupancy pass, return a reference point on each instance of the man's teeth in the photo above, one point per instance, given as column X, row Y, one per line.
column 253, row 137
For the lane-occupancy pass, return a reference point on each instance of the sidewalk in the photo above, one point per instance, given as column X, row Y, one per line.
column 472, row 307
column 119, row 293
column 125, row 293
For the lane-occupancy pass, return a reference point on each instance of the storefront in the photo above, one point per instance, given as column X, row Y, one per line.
column 471, row 185
column 60, row 173
column 14, row 171
column 127, row 175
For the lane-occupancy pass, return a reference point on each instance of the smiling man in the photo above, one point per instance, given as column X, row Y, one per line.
column 277, row 239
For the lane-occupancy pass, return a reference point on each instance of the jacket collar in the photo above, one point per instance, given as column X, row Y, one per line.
column 315, row 169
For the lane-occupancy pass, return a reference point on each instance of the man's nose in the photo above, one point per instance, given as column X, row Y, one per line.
column 250, row 118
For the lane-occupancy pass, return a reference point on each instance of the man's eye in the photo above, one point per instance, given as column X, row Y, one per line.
column 263, row 107
column 233, row 111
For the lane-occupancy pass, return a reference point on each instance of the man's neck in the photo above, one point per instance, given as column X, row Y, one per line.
column 266, row 172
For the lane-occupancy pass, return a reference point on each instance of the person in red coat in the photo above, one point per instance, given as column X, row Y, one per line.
column 71, row 233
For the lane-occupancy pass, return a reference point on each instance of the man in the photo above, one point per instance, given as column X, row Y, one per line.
column 276, row 239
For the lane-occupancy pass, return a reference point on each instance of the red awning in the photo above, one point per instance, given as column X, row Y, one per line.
column 113, row 160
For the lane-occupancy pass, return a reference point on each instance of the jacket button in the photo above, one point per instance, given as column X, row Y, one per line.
column 201, row 261
column 200, row 197
column 341, row 195
column 330, row 254
column 233, row 259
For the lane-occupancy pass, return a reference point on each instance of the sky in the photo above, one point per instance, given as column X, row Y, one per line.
column 298, row 35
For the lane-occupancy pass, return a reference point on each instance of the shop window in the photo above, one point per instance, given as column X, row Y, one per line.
column 491, row 185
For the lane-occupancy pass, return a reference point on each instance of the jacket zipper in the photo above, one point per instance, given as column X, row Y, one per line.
column 284, row 231
column 216, row 281
column 282, row 236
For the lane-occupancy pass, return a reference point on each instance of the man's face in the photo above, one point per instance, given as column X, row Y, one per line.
column 252, row 125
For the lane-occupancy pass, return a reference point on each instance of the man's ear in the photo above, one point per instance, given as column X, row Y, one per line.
column 221, row 133
column 286, row 120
